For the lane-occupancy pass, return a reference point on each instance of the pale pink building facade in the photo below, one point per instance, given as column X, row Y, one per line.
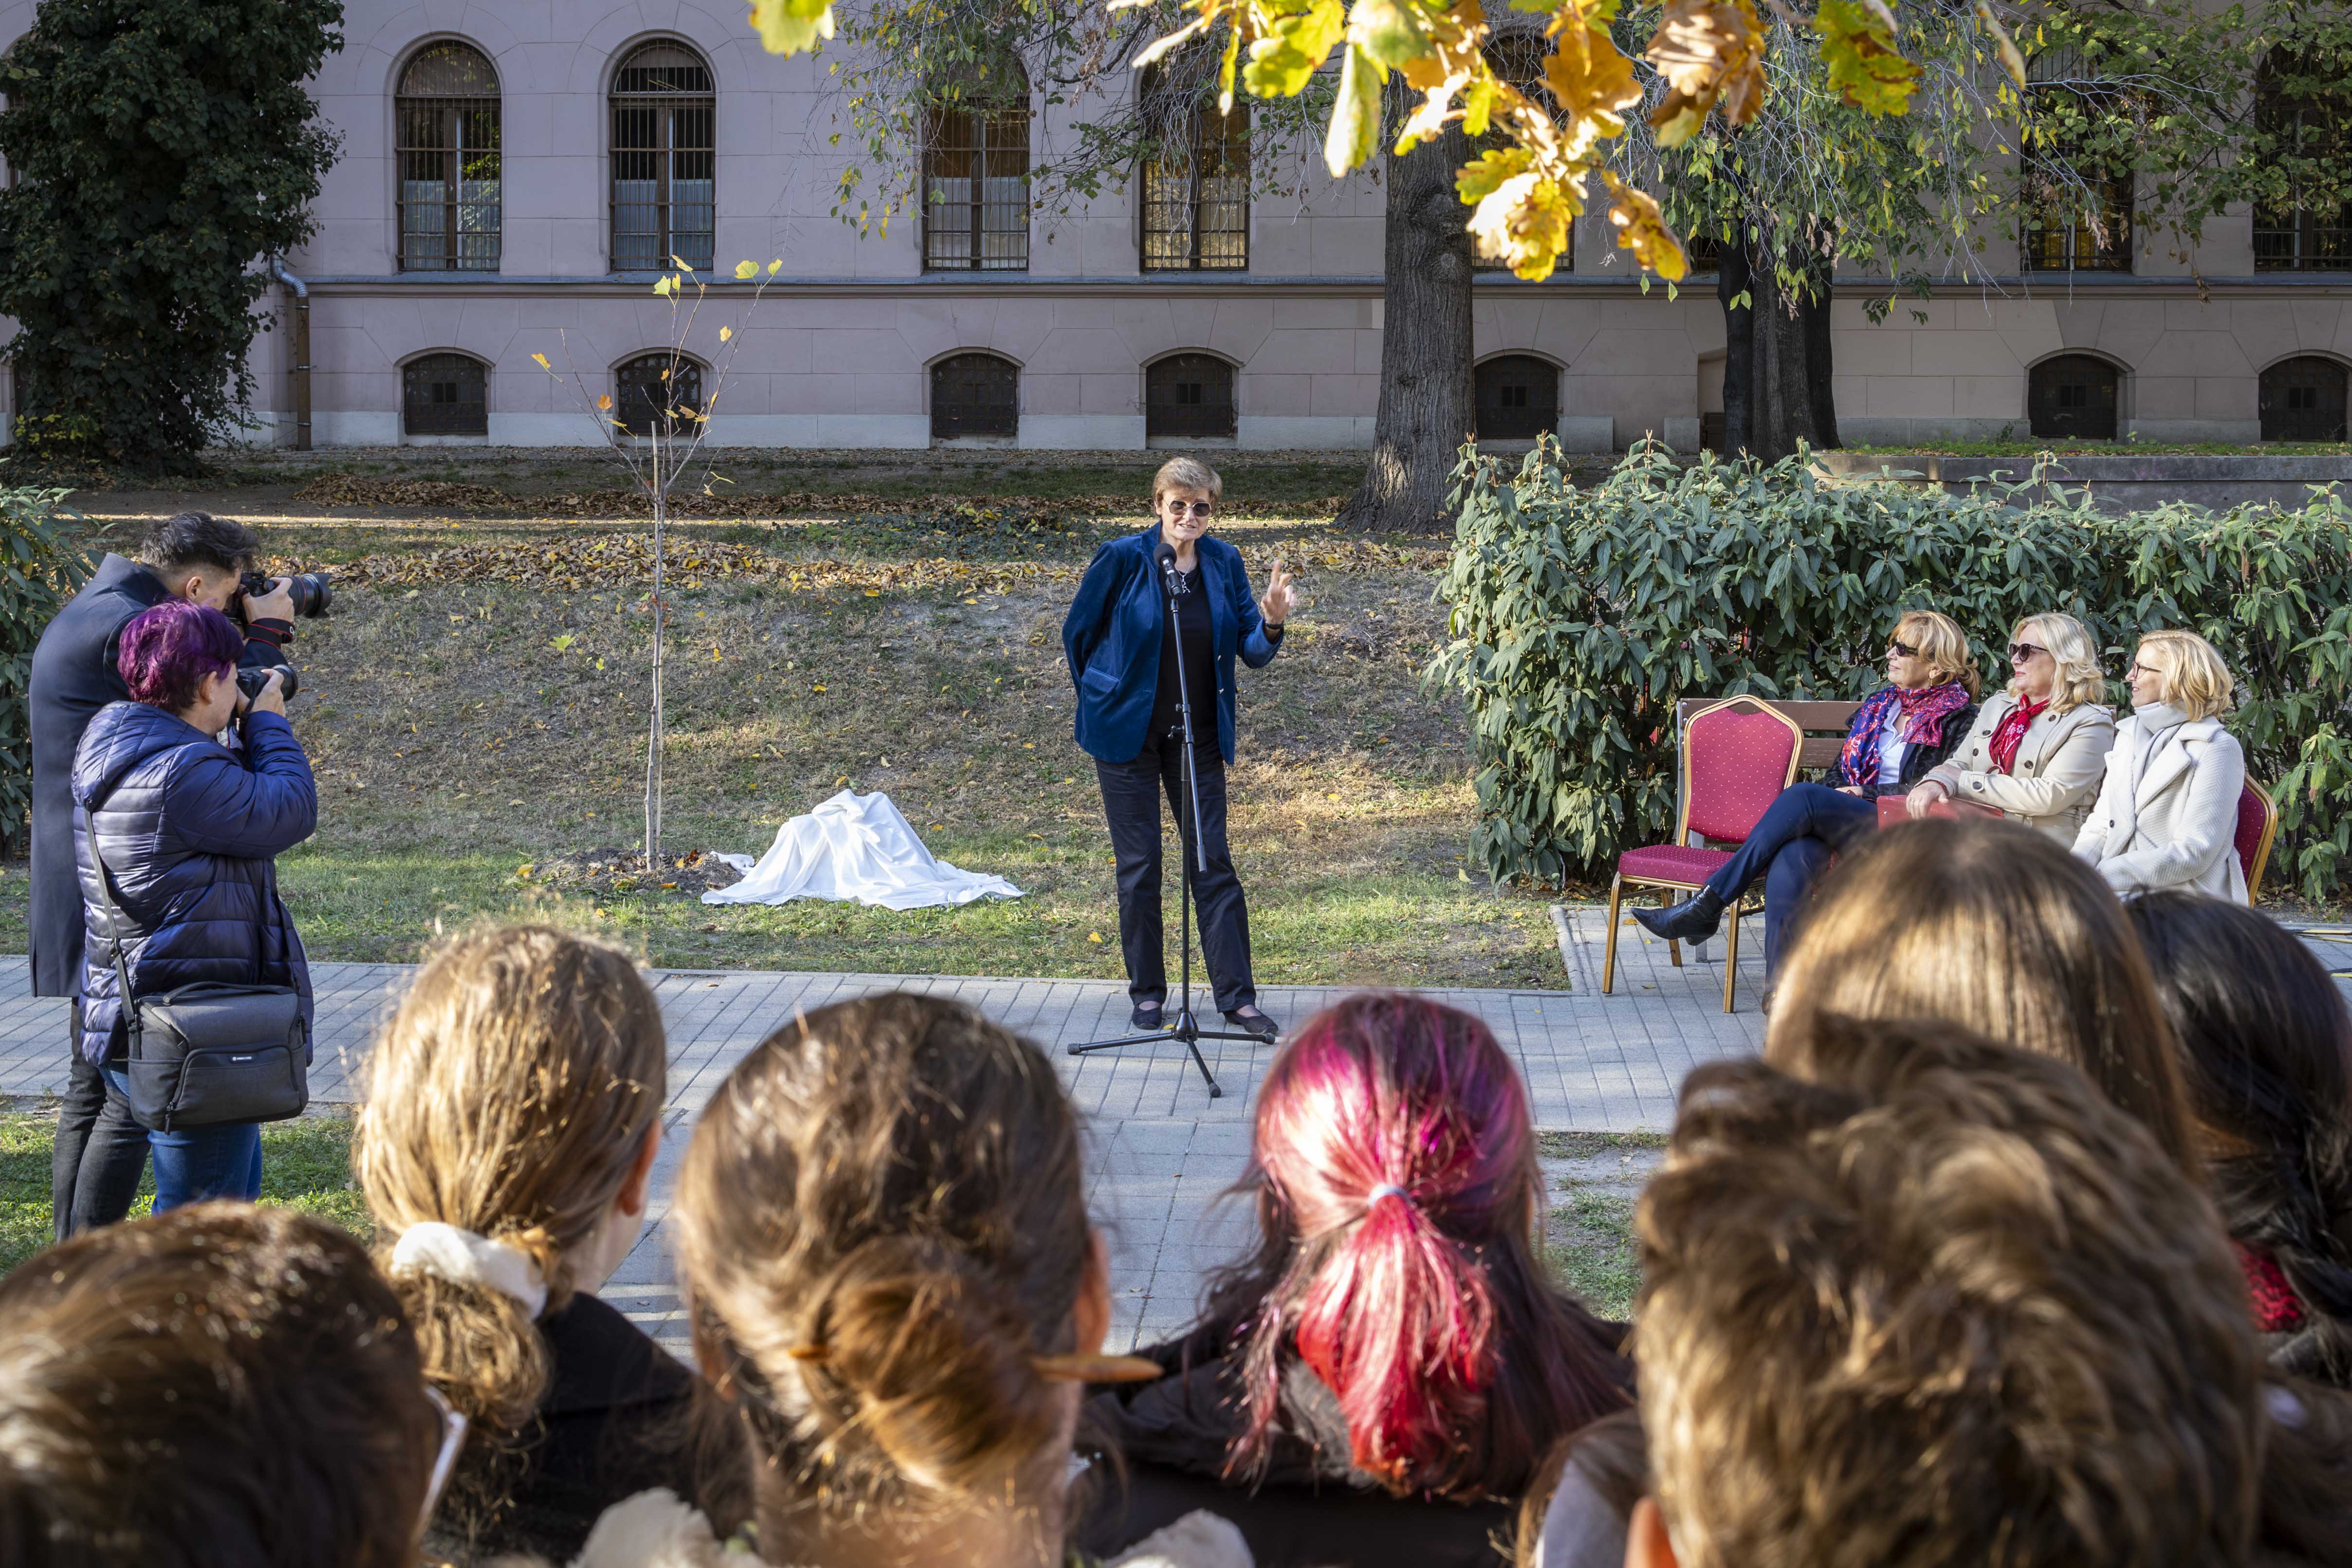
column 609, row 147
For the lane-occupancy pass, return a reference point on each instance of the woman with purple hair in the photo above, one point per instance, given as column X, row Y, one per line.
column 1377, row 1384
column 189, row 829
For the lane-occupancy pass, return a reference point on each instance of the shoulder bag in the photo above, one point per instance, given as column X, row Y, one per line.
column 208, row 1053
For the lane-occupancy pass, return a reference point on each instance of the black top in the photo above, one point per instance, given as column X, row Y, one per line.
column 616, row 1422
column 1188, row 631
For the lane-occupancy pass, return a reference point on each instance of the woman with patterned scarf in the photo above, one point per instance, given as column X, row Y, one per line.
column 1904, row 728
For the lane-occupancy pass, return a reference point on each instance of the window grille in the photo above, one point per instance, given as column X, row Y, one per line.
column 2302, row 234
column 1705, row 252
column 445, row 394
column 976, row 186
column 2073, row 397
column 665, row 162
column 1516, row 398
column 2303, row 399
column 974, row 394
column 447, row 153
column 1188, row 396
column 1519, row 58
column 2059, row 233
column 1196, row 202
column 657, row 391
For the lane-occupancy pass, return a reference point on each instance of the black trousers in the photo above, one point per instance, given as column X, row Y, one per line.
column 1131, row 792
column 101, row 1151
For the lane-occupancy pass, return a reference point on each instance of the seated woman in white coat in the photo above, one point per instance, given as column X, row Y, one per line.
column 2037, row 751
column 2168, row 813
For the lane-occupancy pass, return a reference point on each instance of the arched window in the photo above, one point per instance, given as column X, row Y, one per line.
column 976, row 179
column 2077, row 200
column 1519, row 58
column 445, row 394
column 2303, row 400
column 657, row 392
column 665, row 159
column 2073, row 396
column 2302, row 130
column 448, row 155
column 1516, row 397
column 975, row 395
column 1188, row 396
column 1196, row 192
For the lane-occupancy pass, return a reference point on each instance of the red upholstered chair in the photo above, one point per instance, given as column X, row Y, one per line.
column 1736, row 756
column 2257, row 827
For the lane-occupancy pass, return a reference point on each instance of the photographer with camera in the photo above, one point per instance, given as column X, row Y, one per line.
column 101, row 1149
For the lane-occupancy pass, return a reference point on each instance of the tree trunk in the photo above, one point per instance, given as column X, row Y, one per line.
column 1789, row 396
column 1731, row 281
column 1426, row 404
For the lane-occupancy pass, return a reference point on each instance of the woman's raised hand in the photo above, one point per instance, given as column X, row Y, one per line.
column 1280, row 599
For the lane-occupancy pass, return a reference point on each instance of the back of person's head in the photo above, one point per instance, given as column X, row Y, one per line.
column 2266, row 1052
column 220, row 1386
column 198, row 539
column 1998, row 930
column 882, row 1236
column 2196, row 681
column 510, row 1098
column 166, row 652
column 1397, row 1196
column 1940, row 641
column 1940, row 1304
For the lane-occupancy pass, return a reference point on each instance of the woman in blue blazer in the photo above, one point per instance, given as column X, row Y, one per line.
column 1124, row 654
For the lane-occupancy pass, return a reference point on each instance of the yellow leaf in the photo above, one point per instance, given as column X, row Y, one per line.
column 1592, row 83
column 1642, row 230
column 1524, row 221
column 1356, row 118
column 604, row 401
column 775, row 266
column 2012, row 59
column 1858, row 46
column 542, row 362
column 1711, row 53
column 665, row 285
column 1295, row 45
column 725, row 333
column 1094, row 936
column 745, row 271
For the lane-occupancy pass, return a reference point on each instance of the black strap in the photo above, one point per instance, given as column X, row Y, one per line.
column 114, row 932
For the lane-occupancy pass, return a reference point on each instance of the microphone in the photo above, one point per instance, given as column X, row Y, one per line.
column 1166, row 556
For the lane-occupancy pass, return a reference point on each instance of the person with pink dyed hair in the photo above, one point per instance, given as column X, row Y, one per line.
column 1378, row 1380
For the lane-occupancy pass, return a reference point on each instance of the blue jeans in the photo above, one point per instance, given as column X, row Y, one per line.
column 202, row 1162
column 1788, row 850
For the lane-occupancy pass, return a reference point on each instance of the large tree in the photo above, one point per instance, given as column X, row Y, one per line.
column 161, row 149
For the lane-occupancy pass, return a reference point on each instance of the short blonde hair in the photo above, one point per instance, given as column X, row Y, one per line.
column 1186, row 474
column 2196, row 681
column 2069, row 643
column 1943, row 645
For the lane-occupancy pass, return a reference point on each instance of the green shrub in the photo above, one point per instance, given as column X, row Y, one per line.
column 1580, row 617
column 41, row 571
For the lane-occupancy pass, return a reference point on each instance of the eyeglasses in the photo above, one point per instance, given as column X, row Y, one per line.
column 1903, row 648
column 2018, row 652
column 1197, row 508
column 453, row 1441
column 2139, row 668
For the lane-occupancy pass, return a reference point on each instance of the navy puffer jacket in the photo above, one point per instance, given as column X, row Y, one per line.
column 189, row 828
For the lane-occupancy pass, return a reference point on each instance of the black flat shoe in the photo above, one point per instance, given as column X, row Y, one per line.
column 1694, row 919
column 1147, row 1018
column 1258, row 1024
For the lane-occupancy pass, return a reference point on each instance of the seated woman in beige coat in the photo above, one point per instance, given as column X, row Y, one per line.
column 2168, row 813
column 2037, row 751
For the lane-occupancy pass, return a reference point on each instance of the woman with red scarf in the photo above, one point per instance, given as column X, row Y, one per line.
column 1904, row 728
column 2038, row 750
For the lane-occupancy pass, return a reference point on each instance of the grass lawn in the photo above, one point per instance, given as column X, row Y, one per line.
column 471, row 710
column 304, row 1164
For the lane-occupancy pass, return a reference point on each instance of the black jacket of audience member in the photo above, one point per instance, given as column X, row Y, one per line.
column 618, row 1420
column 1312, row 1508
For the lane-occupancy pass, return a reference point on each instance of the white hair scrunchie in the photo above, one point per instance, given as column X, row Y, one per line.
column 464, row 1257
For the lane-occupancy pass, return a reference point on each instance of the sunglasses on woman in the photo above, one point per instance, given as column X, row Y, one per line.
column 1902, row 648
column 2018, row 652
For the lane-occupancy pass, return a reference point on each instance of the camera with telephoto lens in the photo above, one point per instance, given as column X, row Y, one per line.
column 311, row 592
column 252, row 678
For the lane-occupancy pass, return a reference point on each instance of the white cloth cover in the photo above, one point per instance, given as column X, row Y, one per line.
column 856, row 849
column 464, row 1257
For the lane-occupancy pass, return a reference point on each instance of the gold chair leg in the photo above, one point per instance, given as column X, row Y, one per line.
column 1673, row 947
column 1731, row 953
column 1609, row 944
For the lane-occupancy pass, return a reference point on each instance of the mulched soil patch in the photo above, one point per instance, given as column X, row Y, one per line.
column 617, row 870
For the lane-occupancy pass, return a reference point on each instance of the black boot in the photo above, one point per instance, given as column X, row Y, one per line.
column 1693, row 920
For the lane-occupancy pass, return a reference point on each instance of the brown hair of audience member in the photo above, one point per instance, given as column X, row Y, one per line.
column 221, row 1386
column 1611, row 1459
column 883, row 1241
column 1998, row 930
column 1942, row 1304
column 515, row 1092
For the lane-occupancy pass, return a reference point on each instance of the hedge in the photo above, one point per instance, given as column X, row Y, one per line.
column 38, row 572
column 1578, row 619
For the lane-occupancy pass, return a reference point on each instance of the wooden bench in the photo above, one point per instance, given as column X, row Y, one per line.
column 1824, row 724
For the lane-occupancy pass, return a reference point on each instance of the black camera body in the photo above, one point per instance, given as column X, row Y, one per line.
column 252, row 678
column 313, row 592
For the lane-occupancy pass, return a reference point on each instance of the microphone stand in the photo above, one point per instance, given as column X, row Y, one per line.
column 1185, row 1029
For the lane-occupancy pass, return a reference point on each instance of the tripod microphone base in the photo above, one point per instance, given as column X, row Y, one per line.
column 1185, row 1031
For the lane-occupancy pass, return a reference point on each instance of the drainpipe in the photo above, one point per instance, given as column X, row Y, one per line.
column 298, row 374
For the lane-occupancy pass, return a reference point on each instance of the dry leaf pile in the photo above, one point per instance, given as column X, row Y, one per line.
column 617, row 870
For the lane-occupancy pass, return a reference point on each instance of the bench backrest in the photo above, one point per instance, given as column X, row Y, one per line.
column 1824, row 724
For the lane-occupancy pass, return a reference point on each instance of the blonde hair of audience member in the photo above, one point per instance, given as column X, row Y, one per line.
column 517, row 1093
column 2068, row 646
column 1939, row 640
column 883, row 1240
column 1942, row 1304
column 2194, row 678
column 1186, row 473
column 220, row 1386
column 1997, row 929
